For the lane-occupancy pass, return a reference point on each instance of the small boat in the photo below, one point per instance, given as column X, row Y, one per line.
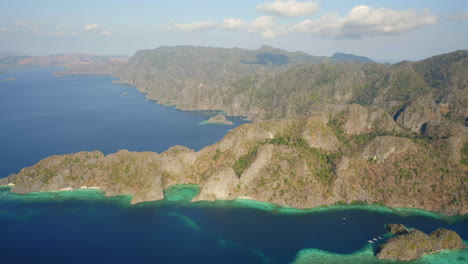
column 375, row 239
column 344, row 218
column 380, row 237
column 370, row 241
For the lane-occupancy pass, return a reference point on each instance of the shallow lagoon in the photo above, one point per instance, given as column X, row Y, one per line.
column 84, row 225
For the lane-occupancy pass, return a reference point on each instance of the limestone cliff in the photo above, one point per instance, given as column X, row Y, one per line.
column 304, row 163
column 271, row 84
column 414, row 244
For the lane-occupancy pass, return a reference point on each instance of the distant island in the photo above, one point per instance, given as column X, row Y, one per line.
column 73, row 63
column 324, row 131
column 219, row 119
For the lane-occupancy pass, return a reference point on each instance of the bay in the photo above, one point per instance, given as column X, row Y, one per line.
column 42, row 115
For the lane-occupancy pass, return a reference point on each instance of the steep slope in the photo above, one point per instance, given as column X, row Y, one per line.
column 200, row 78
column 333, row 156
column 273, row 84
column 414, row 244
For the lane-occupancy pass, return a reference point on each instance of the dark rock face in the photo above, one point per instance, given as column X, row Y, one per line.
column 418, row 113
column 414, row 244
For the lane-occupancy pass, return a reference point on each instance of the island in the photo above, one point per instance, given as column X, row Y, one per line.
column 324, row 132
column 413, row 244
column 219, row 119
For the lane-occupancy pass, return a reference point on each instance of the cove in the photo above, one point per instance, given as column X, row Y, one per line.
column 83, row 225
column 42, row 115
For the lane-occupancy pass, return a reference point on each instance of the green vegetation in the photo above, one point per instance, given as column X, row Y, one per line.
column 244, row 162
column 405, row 86
column 217, row 155
column 464, row 154
column 287, row 141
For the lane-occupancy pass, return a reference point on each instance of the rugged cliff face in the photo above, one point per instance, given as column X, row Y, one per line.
column 273, row 84
column 410, row 245
column 330, row 157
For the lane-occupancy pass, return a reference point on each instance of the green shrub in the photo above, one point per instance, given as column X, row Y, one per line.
column 244, row 162
column 217, row 155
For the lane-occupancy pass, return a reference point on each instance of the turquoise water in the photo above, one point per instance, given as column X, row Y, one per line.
column 41, row 115
column 84, row 226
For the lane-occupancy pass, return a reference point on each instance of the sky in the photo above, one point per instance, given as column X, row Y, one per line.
column 386, row 31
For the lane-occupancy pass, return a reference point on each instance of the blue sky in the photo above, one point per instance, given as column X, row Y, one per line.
column 384, row 30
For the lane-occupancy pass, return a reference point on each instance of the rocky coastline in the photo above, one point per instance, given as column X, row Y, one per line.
column 302, row 163
column 413, row 244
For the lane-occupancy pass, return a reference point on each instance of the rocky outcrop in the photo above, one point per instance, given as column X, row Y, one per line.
column 418, row 113
column 302, row 163
column 319, row 135
column 397, row 229
column 414, row 244
column 219, row 119
column 383, row 147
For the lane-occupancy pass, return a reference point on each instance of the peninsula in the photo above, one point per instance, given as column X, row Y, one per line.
column 324, row 131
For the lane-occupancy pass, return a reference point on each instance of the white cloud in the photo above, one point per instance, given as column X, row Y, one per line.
column 63, row 26
column 75, row 34
column 23, row 24
column 364, row 21
column 361, row 21
column 289, row 8
column 3, row 29
column 105, row 33
column 91, row 27
column 459, row 18
column 196, row 26
column 233, row 24
column 266, row 27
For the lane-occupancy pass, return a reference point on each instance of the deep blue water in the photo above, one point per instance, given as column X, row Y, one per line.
column 41, row 115
column 108, row 230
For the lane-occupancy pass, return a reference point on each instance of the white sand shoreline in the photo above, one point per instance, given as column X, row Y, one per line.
column 82, row 187
column 90, row 187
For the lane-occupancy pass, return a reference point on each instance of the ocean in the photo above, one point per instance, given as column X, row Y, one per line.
column 42, row 115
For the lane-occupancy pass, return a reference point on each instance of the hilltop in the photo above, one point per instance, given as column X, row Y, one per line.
column 349, row 57
column 324, row 131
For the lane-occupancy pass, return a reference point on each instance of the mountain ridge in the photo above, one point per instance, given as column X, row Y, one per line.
column 323, row 133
